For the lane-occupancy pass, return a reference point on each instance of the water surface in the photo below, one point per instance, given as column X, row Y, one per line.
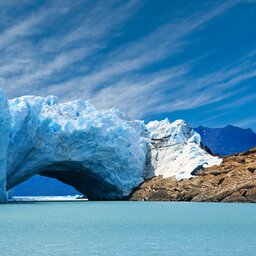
column 127, row 228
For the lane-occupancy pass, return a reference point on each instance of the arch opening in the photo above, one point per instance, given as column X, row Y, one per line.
column 84, row 180
column 39, row 185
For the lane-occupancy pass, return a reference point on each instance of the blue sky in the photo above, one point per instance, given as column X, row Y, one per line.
column 193, row 60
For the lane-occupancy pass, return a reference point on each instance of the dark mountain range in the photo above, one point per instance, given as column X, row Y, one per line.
column 227, row 140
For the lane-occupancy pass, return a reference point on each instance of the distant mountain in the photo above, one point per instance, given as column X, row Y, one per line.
column 227, row 140
column 43, row 186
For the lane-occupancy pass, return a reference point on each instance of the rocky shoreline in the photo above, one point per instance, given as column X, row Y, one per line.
column 233, row 181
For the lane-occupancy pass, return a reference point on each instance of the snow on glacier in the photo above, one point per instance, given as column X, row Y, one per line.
column 107, row 151
column 175, row 150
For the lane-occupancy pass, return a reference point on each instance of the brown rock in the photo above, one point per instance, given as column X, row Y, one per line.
column 233, row 181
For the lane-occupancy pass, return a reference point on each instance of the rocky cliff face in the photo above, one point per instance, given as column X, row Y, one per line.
column 233, row 181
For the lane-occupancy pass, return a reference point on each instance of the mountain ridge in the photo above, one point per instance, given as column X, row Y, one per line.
column 227, row 140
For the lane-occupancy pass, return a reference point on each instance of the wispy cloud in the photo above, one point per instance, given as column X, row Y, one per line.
column 54, row 51
column 59, row 51
column 117, row 76
column 172, row 90
column 28, row 26
column 245, row 123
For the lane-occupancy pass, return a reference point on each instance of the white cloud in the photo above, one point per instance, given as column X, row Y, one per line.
column 31, row 64
column 113, row 75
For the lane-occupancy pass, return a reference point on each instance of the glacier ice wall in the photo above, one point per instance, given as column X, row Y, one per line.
column 101, row 153
column 5, row 125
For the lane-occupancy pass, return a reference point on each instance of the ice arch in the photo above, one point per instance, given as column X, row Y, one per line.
column 100, row 153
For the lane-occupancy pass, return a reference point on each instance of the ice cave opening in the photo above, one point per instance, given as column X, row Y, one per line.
column 82, row 181
column 39, row 185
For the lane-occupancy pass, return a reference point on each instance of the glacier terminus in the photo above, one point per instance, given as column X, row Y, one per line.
column 102, row 153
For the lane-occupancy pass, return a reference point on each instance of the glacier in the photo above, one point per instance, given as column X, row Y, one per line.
column 5, row 127
column 102, row 153
column 175, row 150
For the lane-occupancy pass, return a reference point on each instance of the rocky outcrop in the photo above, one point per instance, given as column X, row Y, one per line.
column 233, row 181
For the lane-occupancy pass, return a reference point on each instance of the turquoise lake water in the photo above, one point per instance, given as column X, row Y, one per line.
column 127, row 228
